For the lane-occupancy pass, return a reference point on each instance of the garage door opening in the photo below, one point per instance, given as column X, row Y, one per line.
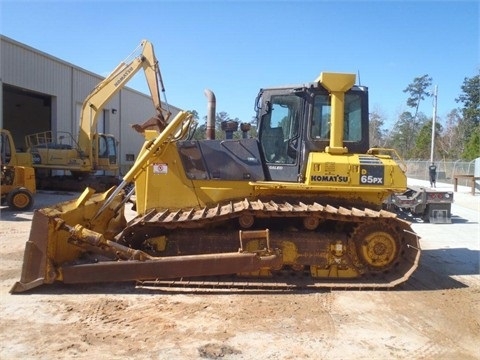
column 25, row 112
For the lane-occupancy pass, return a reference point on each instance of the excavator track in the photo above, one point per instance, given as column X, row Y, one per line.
column 322, row 245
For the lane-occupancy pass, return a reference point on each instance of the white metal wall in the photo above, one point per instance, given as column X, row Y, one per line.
column 27, row 68
column 32, row 70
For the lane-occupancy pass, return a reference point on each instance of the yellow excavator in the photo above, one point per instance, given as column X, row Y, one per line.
column 94, row 151
column 301, row 205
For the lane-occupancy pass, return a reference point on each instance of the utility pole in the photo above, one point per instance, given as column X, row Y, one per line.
column 434, row 118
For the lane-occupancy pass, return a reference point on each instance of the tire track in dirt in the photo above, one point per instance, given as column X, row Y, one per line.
column 431, row 327
column 265, row 320
column 327, row 322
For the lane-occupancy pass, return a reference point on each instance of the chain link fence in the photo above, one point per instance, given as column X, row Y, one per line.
column 446, row 170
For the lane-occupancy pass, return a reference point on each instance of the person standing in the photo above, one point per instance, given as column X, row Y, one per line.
column 432, row 170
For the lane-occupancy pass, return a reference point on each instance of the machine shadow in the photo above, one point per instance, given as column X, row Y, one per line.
column 7, row 214
column 438, row 267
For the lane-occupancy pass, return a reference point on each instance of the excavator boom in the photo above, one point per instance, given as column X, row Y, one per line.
column 92, row 150
column 144, row 58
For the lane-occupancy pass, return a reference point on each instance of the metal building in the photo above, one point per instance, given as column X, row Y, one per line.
column 40, row 92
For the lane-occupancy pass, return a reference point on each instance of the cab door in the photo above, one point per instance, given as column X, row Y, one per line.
column 279, row 134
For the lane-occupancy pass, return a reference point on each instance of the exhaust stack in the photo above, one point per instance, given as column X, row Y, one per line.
column 211, row 110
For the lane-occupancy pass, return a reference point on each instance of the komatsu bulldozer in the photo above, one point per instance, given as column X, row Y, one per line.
column 299, row 204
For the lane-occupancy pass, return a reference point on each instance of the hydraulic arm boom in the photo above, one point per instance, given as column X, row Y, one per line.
column 112, row 84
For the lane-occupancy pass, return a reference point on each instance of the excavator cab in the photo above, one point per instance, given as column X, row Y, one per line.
column 107, row 152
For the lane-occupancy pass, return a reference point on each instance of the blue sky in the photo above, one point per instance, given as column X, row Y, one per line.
column 235, row 48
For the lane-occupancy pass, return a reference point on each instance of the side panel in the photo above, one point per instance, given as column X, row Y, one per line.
column 361, row 172
column 163, row 183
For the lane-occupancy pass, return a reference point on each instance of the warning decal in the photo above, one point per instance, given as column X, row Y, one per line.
column 160, row 168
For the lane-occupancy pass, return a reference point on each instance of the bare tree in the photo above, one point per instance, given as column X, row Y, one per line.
column 450, row 142
column 377, row 135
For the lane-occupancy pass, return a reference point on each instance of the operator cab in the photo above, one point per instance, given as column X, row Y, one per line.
column 107, row 151
column 108, row 148
column 294, row 121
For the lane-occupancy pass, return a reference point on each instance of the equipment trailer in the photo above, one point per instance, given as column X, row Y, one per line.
column 431, row 205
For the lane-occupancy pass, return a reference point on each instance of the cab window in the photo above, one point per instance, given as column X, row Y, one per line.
column 320, row 124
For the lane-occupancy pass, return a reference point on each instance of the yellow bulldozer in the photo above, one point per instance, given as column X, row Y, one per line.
column 299, row 205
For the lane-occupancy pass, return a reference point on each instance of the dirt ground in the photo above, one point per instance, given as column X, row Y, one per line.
column 435, row 315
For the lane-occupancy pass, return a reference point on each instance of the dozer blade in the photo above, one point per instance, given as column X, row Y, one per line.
column 35, row 256
column 48, row 246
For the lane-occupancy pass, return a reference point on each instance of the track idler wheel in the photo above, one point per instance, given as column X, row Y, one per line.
column 376, row 246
